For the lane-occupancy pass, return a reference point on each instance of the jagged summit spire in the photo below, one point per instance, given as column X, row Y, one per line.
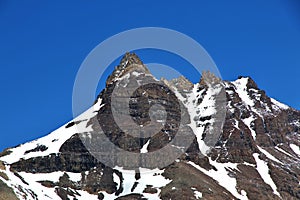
column 129, row 59
column 129, row 62
column 250, row 82
column 209, row 77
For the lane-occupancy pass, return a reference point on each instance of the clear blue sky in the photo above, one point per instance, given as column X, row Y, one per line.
column 43, row 43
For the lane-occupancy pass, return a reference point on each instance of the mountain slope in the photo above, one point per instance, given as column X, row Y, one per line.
column 256, row 154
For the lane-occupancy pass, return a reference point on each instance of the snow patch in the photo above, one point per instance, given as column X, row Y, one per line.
column 198, row 194
column 241, row 89
column 222, row 176
column 24, row 191
column 205, row 109
column 269, row 155
column 85, row 195
column 282, row 151
column 244, row 193
column 116, row 179
column 263, row 170
column 295, row 148
column 278, row 105
column 144, row 149
column 55, row 139
column 136, row 73
column 147, row 176
column 248, row 122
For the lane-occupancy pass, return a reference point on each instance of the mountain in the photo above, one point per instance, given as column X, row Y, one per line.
column 244, row 144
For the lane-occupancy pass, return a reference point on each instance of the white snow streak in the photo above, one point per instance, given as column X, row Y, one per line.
column 144, row 149
column 263, row 170
column 206, row 108
column 221, row 175
column 241, row 89
column 269, row 155
column 283, row 151
column 279, row 105
column 54, row 140
column 295, row 148
column 248, row 122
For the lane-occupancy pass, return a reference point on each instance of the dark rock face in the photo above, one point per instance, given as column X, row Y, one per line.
column 6, row 193
column 254, row 125
column 185, row 177
column 139, row 111
column 132, row 197
column 38, row 148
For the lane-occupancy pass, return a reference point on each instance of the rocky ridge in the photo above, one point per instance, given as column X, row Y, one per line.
column 256, row 155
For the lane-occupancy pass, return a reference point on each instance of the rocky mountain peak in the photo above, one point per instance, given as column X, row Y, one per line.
column 129, row 59
column 181, row 83
column 250, row 82
column 130, row 62
column 256, row 156
column 208, row 78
